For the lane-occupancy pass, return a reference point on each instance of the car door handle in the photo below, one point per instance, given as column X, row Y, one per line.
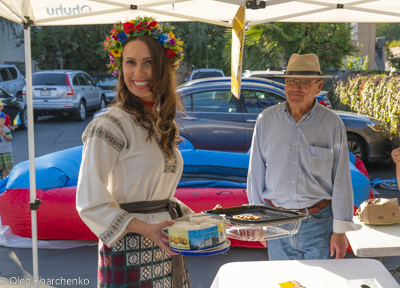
column 251, row 120
column 189, row 118
column 14, row 84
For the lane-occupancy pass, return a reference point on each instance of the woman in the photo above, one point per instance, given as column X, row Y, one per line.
column 131, row 165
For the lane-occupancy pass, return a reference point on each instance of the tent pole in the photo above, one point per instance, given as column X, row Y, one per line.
column 31, row 145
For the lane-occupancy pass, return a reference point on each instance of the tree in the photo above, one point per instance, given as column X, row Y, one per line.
column 389, row 30
column 70, row 47
column 203, row 44
column 330, row 41
column 270, row 45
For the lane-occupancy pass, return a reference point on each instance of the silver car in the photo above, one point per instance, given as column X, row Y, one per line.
column 65, row 92
column 11, row 80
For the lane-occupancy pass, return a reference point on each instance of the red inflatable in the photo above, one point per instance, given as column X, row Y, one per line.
column 57, row 217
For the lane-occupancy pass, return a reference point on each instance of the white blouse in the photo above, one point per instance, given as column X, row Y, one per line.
column 120, row 166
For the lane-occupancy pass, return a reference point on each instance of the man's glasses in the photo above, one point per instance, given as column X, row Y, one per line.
column 302, row 83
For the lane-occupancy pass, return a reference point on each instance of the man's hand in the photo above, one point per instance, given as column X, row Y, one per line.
column 396, row 155
column 338, row 245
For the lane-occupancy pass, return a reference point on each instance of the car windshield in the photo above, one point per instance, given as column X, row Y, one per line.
column 105, row 81
column 4, row 94
column 208, row 74
column 49, row 79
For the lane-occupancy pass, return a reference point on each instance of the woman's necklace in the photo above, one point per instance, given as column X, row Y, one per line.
column 149, row 104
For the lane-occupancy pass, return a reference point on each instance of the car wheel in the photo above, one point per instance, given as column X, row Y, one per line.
column 357, row 146
column 19, row 95
column 81, row 116
column 35, row 117
column 102, row 103
column 23, row 117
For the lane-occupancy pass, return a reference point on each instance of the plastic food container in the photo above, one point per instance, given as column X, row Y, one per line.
column 267, row 223
column 198, row 232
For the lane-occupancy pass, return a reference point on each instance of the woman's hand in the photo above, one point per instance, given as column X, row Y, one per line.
column 154, row 232
column 218, row 206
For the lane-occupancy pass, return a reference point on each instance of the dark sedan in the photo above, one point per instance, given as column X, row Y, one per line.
column 13, row 106
column 216, row 120
column 322, row 98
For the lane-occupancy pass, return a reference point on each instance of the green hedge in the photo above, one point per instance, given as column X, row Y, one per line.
column 376, row 95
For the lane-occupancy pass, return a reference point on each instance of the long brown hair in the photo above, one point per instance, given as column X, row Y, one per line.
column 162, row 85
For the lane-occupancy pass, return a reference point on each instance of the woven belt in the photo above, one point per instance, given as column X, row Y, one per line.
column 311, row 210
column 144, row 207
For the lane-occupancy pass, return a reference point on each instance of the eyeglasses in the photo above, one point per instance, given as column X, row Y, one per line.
column 302, row 83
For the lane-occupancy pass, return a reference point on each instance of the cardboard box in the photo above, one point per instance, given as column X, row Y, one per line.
column 379, row 211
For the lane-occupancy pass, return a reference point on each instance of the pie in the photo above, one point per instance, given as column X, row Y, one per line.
column 246, row 217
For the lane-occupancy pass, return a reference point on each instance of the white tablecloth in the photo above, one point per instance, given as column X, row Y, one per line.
column 310, row 273
column 375, row 240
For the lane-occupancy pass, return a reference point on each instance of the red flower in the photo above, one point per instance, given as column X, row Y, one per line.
column 115, row 37
column 151, row 25
column 128, row 27
column 170, row 53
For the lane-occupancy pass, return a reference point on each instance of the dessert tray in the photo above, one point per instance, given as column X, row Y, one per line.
column 258, row 222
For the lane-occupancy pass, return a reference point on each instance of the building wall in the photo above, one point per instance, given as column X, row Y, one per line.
column 366, row 36
column 10, row 53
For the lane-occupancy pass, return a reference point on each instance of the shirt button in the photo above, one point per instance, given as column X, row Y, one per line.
column 292, row 199
column 295, row 144
column 292, row 181
column 297, row 125
column 294, row 163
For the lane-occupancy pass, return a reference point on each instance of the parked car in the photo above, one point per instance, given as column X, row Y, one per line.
column 206, row 73
column 11, row 80
column 13, row 106
column 65, row 92
column 108, row 83
column 267, row 74
column 322, row 98
column 216, row 120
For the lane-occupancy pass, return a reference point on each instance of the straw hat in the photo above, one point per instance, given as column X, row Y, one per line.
column 303, row 66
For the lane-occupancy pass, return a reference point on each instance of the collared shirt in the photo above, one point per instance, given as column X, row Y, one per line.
column 298, row 164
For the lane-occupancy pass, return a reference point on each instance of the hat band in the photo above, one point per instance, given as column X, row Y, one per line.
column 303, row 73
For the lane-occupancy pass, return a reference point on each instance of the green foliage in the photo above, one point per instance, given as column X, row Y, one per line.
column 376, row 95
column 70, row 47
column 394, row 60
column 267, row 45
column 203, row 44
column 394, row 43
column 389, row 30
column 354, row 63
column 331, row 42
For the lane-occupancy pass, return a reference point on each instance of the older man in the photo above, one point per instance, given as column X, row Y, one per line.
column 299, row 161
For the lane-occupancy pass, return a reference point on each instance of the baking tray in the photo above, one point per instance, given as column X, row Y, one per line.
column 274, row 223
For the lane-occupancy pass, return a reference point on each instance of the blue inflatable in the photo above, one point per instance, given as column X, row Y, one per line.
column 202, row 168
column 55, row 170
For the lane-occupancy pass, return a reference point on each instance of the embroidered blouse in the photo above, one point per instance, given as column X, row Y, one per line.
column 120, row 166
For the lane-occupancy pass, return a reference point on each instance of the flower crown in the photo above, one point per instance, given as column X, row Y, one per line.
column 162, row 32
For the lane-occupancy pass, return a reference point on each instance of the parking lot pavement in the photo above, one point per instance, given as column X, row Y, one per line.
column 79, row 264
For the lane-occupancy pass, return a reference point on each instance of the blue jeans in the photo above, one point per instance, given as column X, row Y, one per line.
column 311, row 242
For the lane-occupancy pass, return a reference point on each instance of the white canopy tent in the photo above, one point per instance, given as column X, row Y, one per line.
column 219, row 12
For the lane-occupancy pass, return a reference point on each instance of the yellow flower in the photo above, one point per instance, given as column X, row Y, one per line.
column 172, row 35
column 116, row 53
column 113, row 66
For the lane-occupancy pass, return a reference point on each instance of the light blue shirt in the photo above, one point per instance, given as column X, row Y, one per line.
column 298, row 164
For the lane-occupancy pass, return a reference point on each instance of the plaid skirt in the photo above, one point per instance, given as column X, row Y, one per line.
column 134, row 261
